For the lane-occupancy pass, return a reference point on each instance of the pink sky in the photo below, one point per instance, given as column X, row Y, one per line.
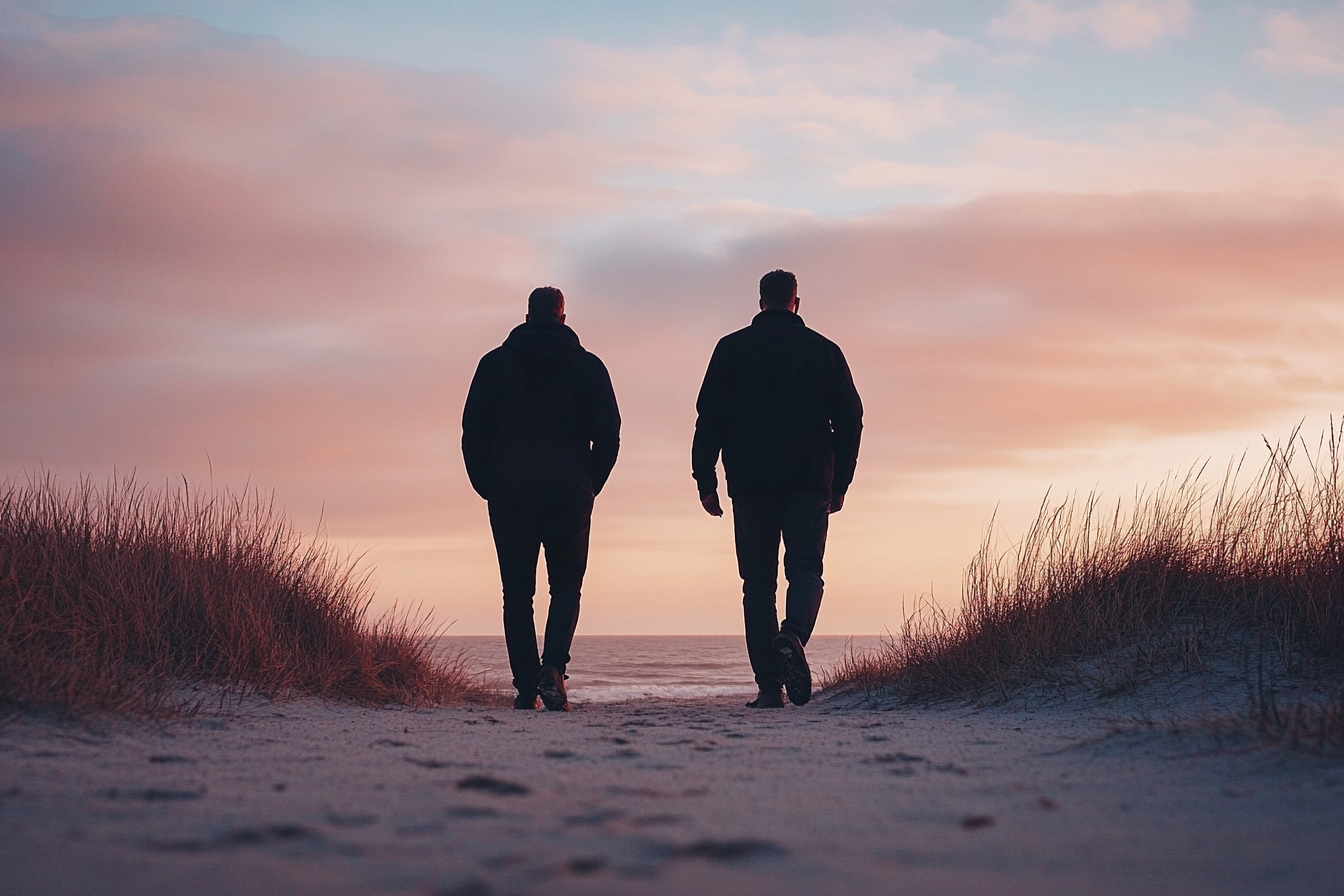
column 223, row 256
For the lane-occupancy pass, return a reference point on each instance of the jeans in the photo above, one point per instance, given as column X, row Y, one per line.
column 522, row 525
column 758, row 522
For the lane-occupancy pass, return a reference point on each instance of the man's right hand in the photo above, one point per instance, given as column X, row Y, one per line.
column 711, row 504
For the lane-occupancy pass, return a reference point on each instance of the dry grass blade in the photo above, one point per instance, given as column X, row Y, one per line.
column 1263, row 559
column 110, row 596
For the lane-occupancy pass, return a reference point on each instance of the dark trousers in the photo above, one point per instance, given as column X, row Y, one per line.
column 522, row 525
column 758, row 522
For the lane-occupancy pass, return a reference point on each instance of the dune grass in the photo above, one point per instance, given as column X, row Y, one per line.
column 111, row 598
column 1184, row 569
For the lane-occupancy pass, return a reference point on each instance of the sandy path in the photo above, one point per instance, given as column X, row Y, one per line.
column 692, row 796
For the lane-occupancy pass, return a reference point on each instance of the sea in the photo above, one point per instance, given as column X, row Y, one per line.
column 610, row 668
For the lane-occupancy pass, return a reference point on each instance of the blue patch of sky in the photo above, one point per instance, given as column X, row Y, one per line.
column 499, row 37
column 1075, row 89
column 1078, row 83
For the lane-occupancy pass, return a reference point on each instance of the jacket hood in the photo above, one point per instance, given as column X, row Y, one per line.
column 543, row 339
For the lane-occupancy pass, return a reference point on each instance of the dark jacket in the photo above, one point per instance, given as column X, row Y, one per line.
column 540, row 417
column 779, row 402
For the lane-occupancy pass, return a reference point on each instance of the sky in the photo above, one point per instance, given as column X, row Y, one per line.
column 1065, row 246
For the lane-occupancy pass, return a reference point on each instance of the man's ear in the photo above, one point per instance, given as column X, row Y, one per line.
column 562, row 318
column 527, row 318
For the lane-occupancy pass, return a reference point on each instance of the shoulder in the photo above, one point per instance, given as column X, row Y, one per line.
column 494, row 359
column 821, row 341
column 592, row 364
column 738, row 337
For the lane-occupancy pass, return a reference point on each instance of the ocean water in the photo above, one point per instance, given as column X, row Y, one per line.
column 608, row 668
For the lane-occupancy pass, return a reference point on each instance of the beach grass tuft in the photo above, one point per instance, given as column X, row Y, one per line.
column 1169, row 576
column 113, row 597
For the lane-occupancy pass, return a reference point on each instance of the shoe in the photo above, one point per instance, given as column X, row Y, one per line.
column 525, row 701
column 551, row 687
column 793, row 663
column 768, row 700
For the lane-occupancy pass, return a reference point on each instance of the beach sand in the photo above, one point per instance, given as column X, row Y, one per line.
column 670, row 796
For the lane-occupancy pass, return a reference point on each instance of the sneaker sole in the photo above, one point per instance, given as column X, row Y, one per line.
column 797, row 676
column 554, row 701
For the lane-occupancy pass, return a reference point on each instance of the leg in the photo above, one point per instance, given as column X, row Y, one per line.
column 565, row 530
column 806, row 518
column 517, row 545
column 756, row 528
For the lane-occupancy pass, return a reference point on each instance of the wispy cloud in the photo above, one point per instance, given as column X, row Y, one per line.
column 1310, row 44
column 750, row 100
column 214, row 246
column 1231, row 146
column 1121, row 25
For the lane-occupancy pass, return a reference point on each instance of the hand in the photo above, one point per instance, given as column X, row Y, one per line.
column 837, row 502
column 711, row 504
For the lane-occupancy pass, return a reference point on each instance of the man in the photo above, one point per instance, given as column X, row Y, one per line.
column 540, row 433
column 778, row 401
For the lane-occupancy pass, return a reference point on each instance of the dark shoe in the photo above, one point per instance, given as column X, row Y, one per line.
column 793, row 663
column 525, row 701
column 767, row 700
column 551, row 687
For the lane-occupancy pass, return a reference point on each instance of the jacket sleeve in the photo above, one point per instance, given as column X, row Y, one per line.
column 480, row 420
column 846, row 423
column 606, row 424
column 710, row 423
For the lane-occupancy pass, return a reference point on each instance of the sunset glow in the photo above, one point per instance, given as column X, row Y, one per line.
column 1064, row 245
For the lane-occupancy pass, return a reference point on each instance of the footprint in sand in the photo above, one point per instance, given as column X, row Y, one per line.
column 232, row 838
column 438, row 763
column 470, row 812
column 726, row 850
column 585, row 864
column 496, row 786
column 152, row 795
column 596, row 817
column 351, row 820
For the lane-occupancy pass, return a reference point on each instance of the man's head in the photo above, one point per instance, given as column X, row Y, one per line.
column 546, row 303
column 779, row 289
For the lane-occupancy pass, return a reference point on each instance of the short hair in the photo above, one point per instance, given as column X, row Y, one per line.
column 546, row 303
column 778, row 289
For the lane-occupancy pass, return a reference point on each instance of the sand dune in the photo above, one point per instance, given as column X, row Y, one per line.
column 668, row 796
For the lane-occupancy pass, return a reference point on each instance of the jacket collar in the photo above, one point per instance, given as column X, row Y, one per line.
column 776, row 316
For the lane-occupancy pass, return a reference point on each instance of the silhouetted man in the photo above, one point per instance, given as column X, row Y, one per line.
column 540, row 433
column 778, row 401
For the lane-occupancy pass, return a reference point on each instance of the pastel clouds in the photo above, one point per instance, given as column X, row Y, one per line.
column 1303, row 43
column 983, row 337
column 1121, row 25
column 1035, row 319
column 747, row 100
column 214, row 247
column 1230, row 147
column 219, row 255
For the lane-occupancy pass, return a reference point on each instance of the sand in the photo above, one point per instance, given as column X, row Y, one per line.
column 672, row 796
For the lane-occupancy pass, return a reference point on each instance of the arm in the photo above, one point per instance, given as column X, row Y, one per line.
column 846, row 428
column 480, row 418
column 606, row 425
column 711, row 408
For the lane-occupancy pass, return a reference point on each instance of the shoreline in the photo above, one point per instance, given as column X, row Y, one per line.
column 662, row 797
